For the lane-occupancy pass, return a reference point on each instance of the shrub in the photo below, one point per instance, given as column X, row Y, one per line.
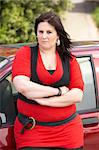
column 17, row 18
column 95, row 16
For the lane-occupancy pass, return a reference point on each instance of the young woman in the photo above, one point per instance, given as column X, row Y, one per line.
column 49, row 81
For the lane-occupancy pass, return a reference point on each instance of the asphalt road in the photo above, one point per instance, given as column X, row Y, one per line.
column 79, row 23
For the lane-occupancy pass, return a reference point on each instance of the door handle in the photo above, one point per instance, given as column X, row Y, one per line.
column 91, row 122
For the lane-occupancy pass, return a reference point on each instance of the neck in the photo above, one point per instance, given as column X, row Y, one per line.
column 49, row 58
column 45, row 51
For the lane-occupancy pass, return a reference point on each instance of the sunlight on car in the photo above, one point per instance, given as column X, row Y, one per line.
column 3, row 61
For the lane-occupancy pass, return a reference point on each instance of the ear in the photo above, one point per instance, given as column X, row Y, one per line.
column 58, row 42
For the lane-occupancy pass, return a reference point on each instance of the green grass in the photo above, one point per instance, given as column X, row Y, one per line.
column 95, row 16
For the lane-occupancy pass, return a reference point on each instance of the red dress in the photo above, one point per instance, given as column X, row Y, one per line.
column 68, row 135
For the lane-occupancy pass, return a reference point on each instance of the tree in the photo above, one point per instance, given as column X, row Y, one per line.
column 17, row 18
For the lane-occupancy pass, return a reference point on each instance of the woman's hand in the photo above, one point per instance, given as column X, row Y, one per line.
column 64, row 89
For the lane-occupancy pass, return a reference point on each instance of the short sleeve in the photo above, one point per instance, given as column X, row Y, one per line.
column 21, row 64
column 76, row 80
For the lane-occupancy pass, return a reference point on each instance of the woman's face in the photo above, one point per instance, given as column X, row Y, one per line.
column 47, row 36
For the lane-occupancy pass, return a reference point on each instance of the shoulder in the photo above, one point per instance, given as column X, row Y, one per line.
column 21, row 64
column 23, row 50
column 73, row 59
column 74, row 65
column 26, row 49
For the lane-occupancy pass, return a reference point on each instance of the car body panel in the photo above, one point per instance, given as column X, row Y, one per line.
column 7, row 141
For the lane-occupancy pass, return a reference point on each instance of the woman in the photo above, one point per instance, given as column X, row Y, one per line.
column 49, row 82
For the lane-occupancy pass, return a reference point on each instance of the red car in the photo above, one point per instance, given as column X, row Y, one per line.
column 88, row 58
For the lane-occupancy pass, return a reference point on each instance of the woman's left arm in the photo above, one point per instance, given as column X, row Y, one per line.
column 71, row 97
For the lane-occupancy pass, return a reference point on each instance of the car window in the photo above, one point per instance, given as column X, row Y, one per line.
column 89, row 99
column 9, row 78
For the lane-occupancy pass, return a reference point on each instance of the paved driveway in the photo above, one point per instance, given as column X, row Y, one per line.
column 79, row 23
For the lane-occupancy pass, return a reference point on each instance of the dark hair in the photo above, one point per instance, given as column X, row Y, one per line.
column 54, row 20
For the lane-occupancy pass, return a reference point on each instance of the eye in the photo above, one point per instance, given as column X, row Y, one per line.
column 49, row 32
column 40, row 31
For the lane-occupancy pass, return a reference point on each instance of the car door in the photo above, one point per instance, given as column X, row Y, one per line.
column 7, row 114
column 89, row 107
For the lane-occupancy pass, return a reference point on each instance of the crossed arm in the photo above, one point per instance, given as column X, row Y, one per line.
column 37, row 92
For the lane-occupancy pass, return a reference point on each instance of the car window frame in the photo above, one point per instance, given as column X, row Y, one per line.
column 95, row 84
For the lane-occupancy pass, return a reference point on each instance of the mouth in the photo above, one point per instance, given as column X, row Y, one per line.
column 44, row 41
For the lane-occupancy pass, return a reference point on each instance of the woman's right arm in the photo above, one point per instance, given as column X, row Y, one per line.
column 33, row 90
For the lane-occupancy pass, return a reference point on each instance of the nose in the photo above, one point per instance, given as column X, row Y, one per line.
column 44, row 35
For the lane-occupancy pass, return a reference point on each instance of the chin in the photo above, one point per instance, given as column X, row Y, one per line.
column 45, row 46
